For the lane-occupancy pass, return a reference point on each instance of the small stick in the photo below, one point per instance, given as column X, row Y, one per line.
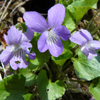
column 20, row 4
column 3, row 68
column 5, row 10
column 93, row 18
column 0, row 77
column 3, row 5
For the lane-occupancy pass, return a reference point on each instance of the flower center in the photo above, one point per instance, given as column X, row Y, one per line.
column 88, row 45
column 18, row 53
column 52, row 38
column 82, row 48
column 16, row 47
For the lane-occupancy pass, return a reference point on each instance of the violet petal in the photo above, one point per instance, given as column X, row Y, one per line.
column 56, row 15
column 13, row 65
column 42, row 45
column 86, row 34
column 31, row 55
column 78, row 38
column 91, row 54
column 18, row 62
column 6, row 39
column 26, row 45
column 63, row 32
column 28, row 35
column 95, row 45
column 23, row 63
column 85, row 50
column 55, row 47
column 35, row 21
column 14, row 35
column 6, row 55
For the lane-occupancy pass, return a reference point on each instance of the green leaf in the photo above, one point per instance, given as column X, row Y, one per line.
column 24, row 28
column 12, row 88
column 86, row 69
column 67, row 54
column 28, row 96
column 3, row 92
column 34, row 64
column 68, row 44
column 94, row 89
column 47, row 89
column 68, row 21
column 30, row 77
column 21, row 26
column 65, row 2
column 94, row 6
column 79, row 8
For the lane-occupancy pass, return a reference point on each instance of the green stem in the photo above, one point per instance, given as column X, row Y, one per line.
column 74, row 30
column 66, row 65
column 95, row 30
column 92, row 19
column 46, row 65
column 80, row 91
column 68, row 70
column 16, row 71
column 63, row 73
column 80, row 81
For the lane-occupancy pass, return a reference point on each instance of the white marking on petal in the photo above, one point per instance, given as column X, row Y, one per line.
column 18, row 52
column 82, row 48
column 89, row 45
column 52, row 37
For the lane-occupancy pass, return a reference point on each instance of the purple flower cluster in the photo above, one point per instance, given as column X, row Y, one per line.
column 86, row 42
column 51, row 31
column 18, row 47
column 19, row 43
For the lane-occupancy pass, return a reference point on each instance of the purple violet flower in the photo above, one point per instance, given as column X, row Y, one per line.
column 18, row 47
column 51, row 31
column 86, row 42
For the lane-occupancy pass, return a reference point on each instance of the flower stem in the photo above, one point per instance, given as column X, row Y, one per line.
column 46, row 65
column 92, row 19
column 95, row 30
column 81, row 81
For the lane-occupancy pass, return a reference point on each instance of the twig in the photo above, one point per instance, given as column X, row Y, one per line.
column 98, row 27
column 3, row 5
column 0, row 77
column 3, row 68
column 20, row 4
column 5, row 16
column 5, row 10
